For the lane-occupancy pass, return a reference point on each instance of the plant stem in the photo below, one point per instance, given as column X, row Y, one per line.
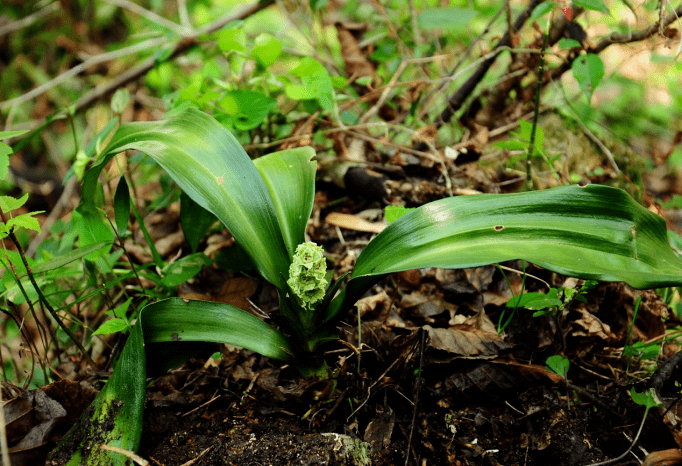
column 613, row 460
column 541, row 71
column 41, row 296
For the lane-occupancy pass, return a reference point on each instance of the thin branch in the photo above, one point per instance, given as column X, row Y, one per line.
column 416, row 33
column 456, row 101
column 183, row 13
column 437, row 90
column 30, row 19
column 637, row 36
column 375, row 140
column 3, row 435
column 125, row 51
column 153, row 17
column 599, row 144
column 372, row 111
column 139, row 70
column 634, row 442
column 55, row 214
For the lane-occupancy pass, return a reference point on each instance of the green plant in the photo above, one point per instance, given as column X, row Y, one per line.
column 649, row 400
column 592, row 232
column 558, row 364
column 551, row 303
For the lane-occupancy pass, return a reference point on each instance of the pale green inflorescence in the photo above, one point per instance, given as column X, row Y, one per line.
column 307, row 274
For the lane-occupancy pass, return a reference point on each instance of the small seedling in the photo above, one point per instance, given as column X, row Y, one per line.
column 558, row 364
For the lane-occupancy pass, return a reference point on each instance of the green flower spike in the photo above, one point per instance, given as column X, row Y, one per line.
column 307, row 274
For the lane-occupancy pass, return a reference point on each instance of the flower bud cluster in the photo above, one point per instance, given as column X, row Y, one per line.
column 307, row 274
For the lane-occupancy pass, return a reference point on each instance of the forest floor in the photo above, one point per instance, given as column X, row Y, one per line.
column 432, row 367
column 430, row 380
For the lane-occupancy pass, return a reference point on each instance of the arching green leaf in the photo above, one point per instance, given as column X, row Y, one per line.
column 592, row 232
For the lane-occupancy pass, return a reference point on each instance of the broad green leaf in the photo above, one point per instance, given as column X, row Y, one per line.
column 512, row 144
column 588, row 70
column 208, row 164
column 595, row 5
column 642, row 351
column 12, row 134
column 5, row 152
column 592, row 232
column 111, row 326
column 536, row 301
column 565, row 43
column 317, row 83
column 394, row 212
column 122, row 206
column 194, row 220
column 114, row 418
column 9, row 203
column 232, row 39
column 176, row 319
column 558, row 364
column 183, row 269
column 289, row 176
column 92, row 228
column 318, row 4
column 452, row 19
column 267, row 49
column 94, row 147
column 541, row 10
column 648, row 398
column 247, row 108
column 121, row 310
column 348, row 117
column 526, row 131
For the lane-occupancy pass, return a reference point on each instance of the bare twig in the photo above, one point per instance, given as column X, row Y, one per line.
column 613, row 460
column 452, row 72
column 153, row 17
column 3, row 435
column 141, row 47
column 679, row 26
column 54, row 216
column 417, row 389
column 416, row 33
column 599, row 144
column 139, row 70
column 30, row 19
column 374, row 140
column 618, row 38
column 372, row 111
column 183, row 14
column 456, row 101
column 138, row 459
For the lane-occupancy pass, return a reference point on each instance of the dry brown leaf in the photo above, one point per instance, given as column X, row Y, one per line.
column 498, row 379
column 234, row 291
column 379, row 430
column 357, row 65
column 36, row 418
column 370, row 303
column 352, row 222
column 466, row 341
column 590, row 326
column 669, row 457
